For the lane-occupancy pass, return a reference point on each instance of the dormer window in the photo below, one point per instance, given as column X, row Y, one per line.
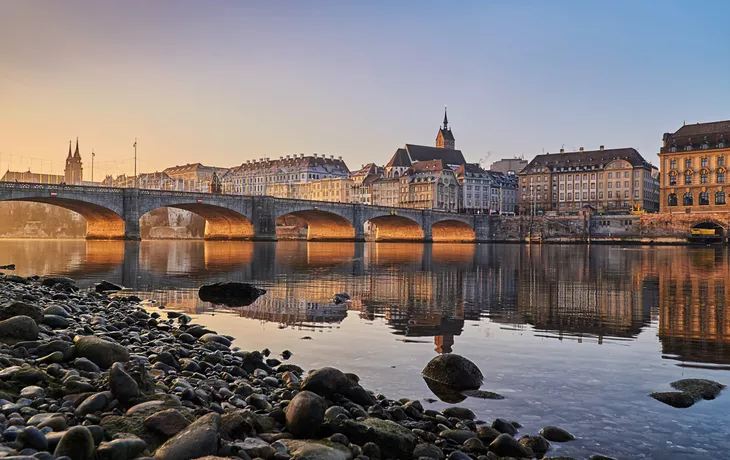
column 673, row 148
column 687, row 148
column 721, row 145
column 705, row 146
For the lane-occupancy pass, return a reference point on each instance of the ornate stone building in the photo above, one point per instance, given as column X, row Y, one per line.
column 604, row 179
column 694, row 163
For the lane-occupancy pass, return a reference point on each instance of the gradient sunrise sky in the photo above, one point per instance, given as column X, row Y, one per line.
column 224, row 81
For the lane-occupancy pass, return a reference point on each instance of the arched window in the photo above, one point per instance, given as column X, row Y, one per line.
column 720, row 198
column 672, row 199
column 687, row 200
column 673, row 148
column 704, row 199
column 672, row 179
column 721, row 145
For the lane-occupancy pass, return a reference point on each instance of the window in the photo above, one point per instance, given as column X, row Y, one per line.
column 562, row 196
column 610, row 185
column 610, row 175
column 626, row 193
column 705, row 146
column 585, row 176
column 703, row 178
column 720, row 161
column 672, row 199
column 720, row 198
column 688, row 148
column 688, row 179
column 593, row 195
column 704, row 199
column 618, row 184
column 593, row 177
column 570, row 196
column 721, row 145
column 673, row 164
column 688, row 163
column 704, row 162
column 687, row 200
column 673, row 148
column 585, row 195
column 720, row 177
column 600, row 195
column 626, row 184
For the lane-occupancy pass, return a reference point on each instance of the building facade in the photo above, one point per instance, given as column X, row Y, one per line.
column 476, row 189
column 386, row 191
column 256, row 176
column 337, row 190
column 362, row 183
column 194, row 177
column 429, row 185
column 509, row 165
column 503, row 194
column 693, row 166
column 604, row 179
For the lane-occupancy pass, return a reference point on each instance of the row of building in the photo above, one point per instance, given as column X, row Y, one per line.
column 417, row 176
column 692, row 178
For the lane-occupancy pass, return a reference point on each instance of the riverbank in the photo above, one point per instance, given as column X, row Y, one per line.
column 87, row 376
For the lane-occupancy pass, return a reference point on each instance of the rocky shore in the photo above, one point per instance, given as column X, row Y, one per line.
column 87, row 376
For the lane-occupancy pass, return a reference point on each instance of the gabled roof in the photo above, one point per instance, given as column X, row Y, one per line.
column 425, row 153
column 597, row 158
column 711, row 133
column 400, row 158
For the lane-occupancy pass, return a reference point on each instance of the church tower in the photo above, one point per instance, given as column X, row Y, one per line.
column 74, row 172
column 445, row 138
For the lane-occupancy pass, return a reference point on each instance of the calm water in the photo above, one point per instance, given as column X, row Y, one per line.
column 574, row 336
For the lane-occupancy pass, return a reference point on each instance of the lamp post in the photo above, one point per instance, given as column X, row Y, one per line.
column 135, row 162
column 92, row 166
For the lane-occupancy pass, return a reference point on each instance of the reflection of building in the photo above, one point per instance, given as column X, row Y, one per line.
column 694, row 167
column 694, row 324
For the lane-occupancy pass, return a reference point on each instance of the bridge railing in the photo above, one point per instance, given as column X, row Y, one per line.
column 57, row 187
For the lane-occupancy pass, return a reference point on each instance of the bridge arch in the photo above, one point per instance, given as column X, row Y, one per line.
column 102, row 223
column 394, row 227
column 221, row 223
column 318, row 225
column 708, row 231
column 452, row 231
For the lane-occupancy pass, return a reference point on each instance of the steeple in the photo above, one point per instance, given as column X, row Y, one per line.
column 446, row 119
column 445, row 138
column 76, row 153
column 69, row 151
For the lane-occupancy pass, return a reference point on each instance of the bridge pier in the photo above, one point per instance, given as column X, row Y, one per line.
column 264, row 218
column 358, row 222
column 427, row 226
column 482, row 228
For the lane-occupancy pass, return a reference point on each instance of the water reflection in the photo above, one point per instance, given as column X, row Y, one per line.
column 431, row 292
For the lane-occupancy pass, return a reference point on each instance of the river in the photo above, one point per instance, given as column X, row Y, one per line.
column 574, row 336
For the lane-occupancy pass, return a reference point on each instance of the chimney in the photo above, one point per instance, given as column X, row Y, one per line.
column 600, row 148
column 581, row 149
column 332, row 157
column 339, row 157
column 315, row 155
column 562, row 150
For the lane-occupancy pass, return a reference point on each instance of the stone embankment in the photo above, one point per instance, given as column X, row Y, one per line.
column 85, row 376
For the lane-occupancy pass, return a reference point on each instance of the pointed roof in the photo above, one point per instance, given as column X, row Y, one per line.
column 446, row 119
column 69, row 151
column 400, row 158
column 425, row 153
column 76, row 153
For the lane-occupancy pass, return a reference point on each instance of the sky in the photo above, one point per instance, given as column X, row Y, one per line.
column 225, row 81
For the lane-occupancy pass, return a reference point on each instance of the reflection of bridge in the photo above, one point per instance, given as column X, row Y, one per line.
column 114, row 213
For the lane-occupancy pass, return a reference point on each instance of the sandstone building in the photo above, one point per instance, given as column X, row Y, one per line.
column 694, row 168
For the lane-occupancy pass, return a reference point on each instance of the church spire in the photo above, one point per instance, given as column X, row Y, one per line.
column 76, row 153
column 69, row 151
column 446, row 120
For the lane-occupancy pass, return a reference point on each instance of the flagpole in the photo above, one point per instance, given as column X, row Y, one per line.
column 135, row 162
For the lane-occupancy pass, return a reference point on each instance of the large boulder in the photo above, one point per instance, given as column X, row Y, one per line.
column 328, row 381
column 507, row 446
column 454, row 371
column 99, row 351
column 106, row 286
column 305, row 414
column 121, row 384
column 231, row 293
column 18, row 329
column 317, row 450
column 12, row 309
column 62, row 282
column 699, row 388
column 394, row 440
column 199, row 439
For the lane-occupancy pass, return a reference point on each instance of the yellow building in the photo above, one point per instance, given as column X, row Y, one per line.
column 337, row 190
column 385, row 192
column 694, row 168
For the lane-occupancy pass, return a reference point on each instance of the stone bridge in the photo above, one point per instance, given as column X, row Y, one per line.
column 114, row 213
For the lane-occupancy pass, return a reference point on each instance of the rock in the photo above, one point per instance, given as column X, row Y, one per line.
column 121, row 449
column 77, row 444
column 487, row 433
column 536, row 444
column 328, row 381
column 503, row 426
column 168, row 422
column 230, row 293
column 393, row 439
column 199, row 439
column 482, row 394
column 32, row 438
column 106, row 286
column 121, row 384
column 454, row 371
column 256, row 448
column 458, row 436
column 215, row 338
column 67, row 348
column 699, row 388
column 371, row 450
column 475, row 446
column 16, row 279
column 55, row 322
column 101, row 352
column 678, row 399
column 56, row 423
column 317, row 450
column 305, row 414
column 341, row 298
column 457, row 455
column 13, row 309
column 18, row 329
column 507, row 446
column 555, row 434
column 94, row 403
column 56, row 310
column 32, row 392
column 428, row 451
column 85, row 365
column 461, row 413
column 52, row 281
